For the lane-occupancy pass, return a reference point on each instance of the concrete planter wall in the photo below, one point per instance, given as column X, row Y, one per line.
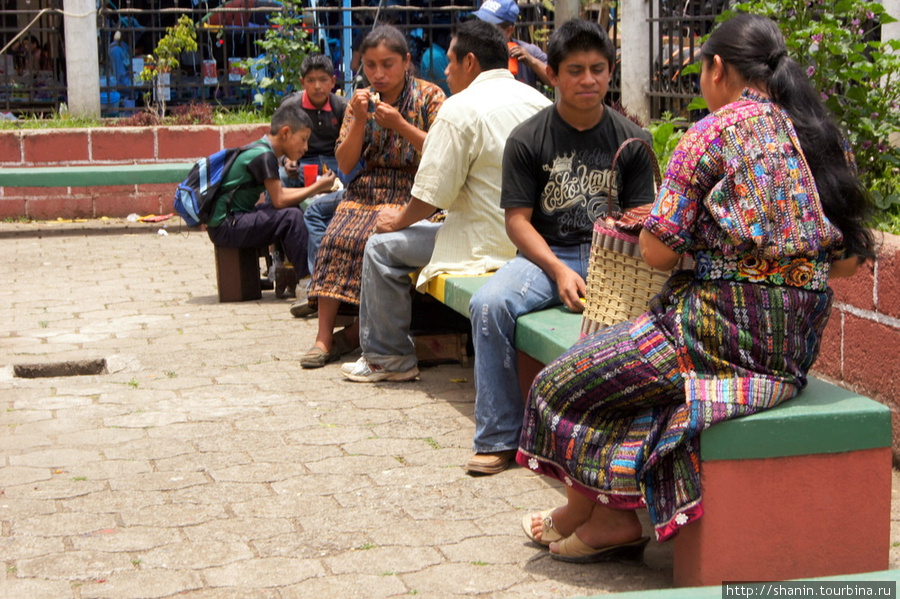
column 861, row 348
column 106, row 145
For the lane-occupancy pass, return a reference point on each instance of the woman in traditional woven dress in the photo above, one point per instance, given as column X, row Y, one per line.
column 385, row 126
column 763, row 193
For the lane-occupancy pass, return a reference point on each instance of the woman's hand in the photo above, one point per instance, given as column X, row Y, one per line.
column 388, row 117
column 359, row 104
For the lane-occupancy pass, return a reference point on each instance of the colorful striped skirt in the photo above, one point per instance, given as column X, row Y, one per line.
column 338, row 266
column 618, row 416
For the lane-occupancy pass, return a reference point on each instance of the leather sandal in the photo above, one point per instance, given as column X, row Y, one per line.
column 549, row 534
column 490, row 463
column 574, row 550
column 316, row 357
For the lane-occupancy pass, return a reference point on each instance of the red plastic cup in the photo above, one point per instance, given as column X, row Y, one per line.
column 310, row 174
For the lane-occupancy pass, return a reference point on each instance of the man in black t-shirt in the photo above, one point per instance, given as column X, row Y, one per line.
column 556, row 173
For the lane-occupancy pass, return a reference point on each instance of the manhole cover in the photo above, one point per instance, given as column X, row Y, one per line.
column 56, row 369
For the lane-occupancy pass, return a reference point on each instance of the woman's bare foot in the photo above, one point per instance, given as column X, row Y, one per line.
column 607, row 527
column 566, row 518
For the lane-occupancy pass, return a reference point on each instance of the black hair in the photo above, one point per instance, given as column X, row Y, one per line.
column 316, row 62
column 483, row 40
column 388, row 35
column 579, row 35
column 755, row 47
column 290, row 113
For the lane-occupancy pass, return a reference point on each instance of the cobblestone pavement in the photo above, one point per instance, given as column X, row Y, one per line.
column 206, row 464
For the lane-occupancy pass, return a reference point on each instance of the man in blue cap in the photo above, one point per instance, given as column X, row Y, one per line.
column 528, row 63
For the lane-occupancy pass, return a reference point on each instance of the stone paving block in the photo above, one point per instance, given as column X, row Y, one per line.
column 382, row 560
column 145, row 419
column 21, row 475
column 104, row 437
column 18, row 416
column 26, row 546
column 104, row 501
column 126, row 539
column 237, row 529
column 148, row 448
column 266, row 572
column 451, row 580
column 349, row 586
column 158, row 481
column 195, row 556
column 219, row 493
column 74, row 565
column 294, row 454
column 142, row 584
column 202, row 462
column 28, row 587
column 55, row 488
column 64, row 525
column 321, row 485
column 171, row 515
column 56, row 458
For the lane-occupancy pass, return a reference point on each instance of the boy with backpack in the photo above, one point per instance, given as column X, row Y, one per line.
column 239, row 220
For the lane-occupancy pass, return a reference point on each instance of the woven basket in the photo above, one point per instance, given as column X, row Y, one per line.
column 619, row 282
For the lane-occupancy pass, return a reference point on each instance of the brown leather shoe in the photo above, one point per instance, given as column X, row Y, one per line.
column 490, row 463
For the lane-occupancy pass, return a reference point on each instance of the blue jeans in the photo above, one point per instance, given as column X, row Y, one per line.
column 519, row 287
column 385, row 307
column 317, row 216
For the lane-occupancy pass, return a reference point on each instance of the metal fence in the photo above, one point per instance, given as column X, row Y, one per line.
column 33, row 75
column 675, row 29
column 32, row 69
column 227, row 33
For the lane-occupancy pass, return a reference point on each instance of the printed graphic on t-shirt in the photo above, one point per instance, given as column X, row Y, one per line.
column 576, row 191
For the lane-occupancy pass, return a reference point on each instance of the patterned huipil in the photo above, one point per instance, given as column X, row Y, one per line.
column 619, row 415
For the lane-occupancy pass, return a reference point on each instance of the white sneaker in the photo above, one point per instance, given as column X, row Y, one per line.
column 363, row 371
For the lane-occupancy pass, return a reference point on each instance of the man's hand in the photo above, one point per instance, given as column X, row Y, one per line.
column 324, row 183
column 571, row 289
column 386, row 221
column 292, row 168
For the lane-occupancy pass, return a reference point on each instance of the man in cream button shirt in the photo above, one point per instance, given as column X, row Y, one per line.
column 460, row 172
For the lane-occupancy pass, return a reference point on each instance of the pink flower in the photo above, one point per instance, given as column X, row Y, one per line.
column 810, row 71
column 817, row 37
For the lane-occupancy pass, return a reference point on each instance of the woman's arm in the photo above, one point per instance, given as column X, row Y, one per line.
column 845, row 267
column 657, row 254
column 349, row 151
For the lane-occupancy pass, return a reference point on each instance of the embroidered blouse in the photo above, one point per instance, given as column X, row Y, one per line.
column 739, row 195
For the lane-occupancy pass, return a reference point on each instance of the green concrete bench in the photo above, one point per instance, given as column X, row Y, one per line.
column 799, row 491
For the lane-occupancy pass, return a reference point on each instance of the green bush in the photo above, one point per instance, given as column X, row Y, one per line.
column 285, row 45
column 858, row 77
